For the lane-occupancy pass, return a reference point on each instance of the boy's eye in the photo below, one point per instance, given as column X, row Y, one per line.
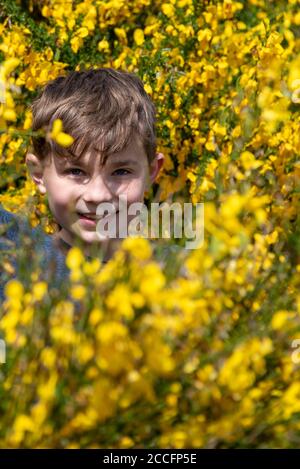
column 74, row 171
column 121, row 169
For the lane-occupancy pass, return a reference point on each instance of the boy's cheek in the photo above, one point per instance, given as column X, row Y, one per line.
column 136, row 191
column 62, row 207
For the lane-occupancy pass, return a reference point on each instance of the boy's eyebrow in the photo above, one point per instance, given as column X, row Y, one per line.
column 110, row 162
column 118, row 162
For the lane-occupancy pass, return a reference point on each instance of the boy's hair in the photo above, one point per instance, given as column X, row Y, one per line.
column 100, row 108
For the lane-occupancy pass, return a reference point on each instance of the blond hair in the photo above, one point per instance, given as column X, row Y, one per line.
column 100, row 108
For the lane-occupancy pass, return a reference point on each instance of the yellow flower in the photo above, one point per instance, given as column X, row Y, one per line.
column 10, row 64
column 279, row 319
column 39, row 290
column 168, row 9
column 23, row 423
column 46, row 390
column 272, row 237
column 92, row 267
column 39, row 413
column 126, row 442
column 9, row 115
column 111, row 331
column 148, row 89
column 139, row 247
column 84, row 351
column 121, row 34
column 74, row 258
column 76, row 42
column 103, row 46
column 14, row 289
column 63, row 139
column 95, row 316
column 291, row 400
column 158, row 354
column 78, row 292
column 152, row 280
column 28, row 120
column 56, row 127
column 210, row 146
column 27, row 315
column 82, row 32
column 104, row 398
column 138, row 37
column 119, row 300
column 48, row 357
column 191, row 176
column 219, row 129
column 248, row 161
column 46, row 11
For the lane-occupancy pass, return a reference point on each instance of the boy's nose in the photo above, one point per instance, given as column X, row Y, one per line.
column 97, row 191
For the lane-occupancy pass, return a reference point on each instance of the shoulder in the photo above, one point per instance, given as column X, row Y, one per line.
column 53, row 260
column 5, row 216
column 8, row 225
column 42, row 250
column 14, row 226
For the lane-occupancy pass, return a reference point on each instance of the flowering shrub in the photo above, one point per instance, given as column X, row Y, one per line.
column 133, row 353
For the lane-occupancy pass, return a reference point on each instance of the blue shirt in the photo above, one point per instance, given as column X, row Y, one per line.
column 13, row 229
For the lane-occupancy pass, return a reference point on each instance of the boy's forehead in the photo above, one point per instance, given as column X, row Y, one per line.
column 133, row 154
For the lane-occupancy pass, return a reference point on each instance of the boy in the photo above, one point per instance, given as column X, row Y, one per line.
column 111, row 119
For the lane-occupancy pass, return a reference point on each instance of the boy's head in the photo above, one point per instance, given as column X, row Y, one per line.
column 112, row 121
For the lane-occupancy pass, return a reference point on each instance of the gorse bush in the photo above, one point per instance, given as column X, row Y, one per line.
column 200, row 350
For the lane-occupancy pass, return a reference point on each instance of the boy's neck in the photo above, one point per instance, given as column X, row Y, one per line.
column 106, row 248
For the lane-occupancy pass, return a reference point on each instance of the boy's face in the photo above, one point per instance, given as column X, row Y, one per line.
column 77, row 188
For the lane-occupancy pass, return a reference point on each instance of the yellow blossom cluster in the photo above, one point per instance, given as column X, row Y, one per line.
column 204, row 358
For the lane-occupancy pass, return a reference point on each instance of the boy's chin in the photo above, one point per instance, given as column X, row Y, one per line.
column 89, row 237
column 92, row 238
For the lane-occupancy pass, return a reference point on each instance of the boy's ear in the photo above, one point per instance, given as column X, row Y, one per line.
column 155, row 166
column 36, row 170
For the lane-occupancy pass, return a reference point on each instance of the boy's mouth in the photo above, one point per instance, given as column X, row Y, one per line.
column 93, row 216
column 88, row 216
